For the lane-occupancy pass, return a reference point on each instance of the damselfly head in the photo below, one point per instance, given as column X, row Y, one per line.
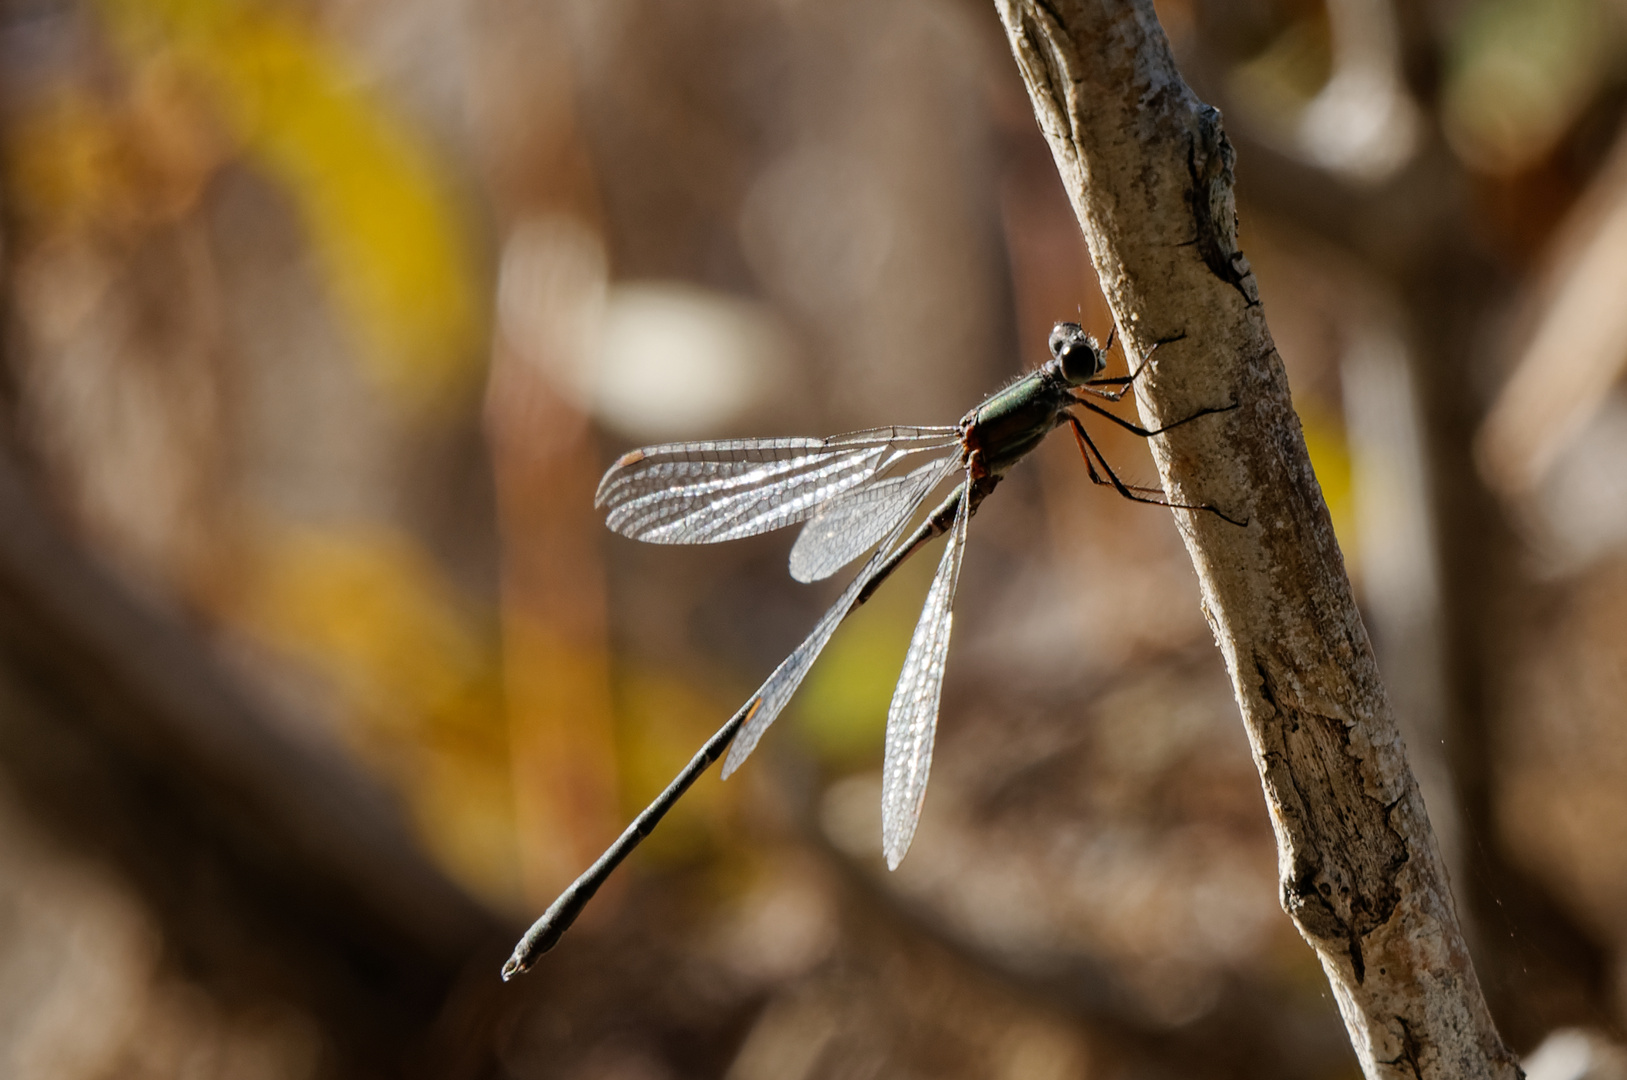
column 1077, row 355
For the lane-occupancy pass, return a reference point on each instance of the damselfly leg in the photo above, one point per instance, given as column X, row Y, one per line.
column 1137, row 429
column 1092, row 453
column 1134, row 492
column 1125, row 382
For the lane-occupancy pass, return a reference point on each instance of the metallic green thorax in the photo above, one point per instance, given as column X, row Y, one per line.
column 1008, row 425
column 1004, row 428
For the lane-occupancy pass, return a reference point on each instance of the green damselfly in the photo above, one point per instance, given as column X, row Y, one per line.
column 855, row 492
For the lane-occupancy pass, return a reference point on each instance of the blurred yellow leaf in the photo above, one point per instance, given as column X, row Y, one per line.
column 842, row 710
column 63, row 161
column 1330, row 457
column 380, row 214
column 368, row 609
column 80, row 161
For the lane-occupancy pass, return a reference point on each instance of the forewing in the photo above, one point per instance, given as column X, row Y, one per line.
column 698, row 493
column 848, row 525
column 912, row 718
column 705, row 492
column 777, row 691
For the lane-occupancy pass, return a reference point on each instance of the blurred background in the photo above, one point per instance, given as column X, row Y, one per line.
column 319, row 675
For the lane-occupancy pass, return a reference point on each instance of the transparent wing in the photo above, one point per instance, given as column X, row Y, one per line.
column 705, row 492
column 777, row 691
column 912, row 718
column 851, row 523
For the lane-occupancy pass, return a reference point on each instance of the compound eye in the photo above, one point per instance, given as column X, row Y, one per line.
column 1076, row 352
column 1062, row 335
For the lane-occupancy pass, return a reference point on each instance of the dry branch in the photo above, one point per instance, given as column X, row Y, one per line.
column 1149, row 171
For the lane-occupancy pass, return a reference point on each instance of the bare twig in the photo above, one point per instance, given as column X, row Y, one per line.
column 1149, row 171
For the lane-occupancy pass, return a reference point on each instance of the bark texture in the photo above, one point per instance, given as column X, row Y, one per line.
column 1149, row 171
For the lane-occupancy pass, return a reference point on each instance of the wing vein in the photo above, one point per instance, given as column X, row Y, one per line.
column 776, row 691
column 693, row 493
column 912, row 718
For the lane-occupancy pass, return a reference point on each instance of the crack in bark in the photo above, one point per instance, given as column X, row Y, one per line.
column 1410, row 1048
column 1045, row 6
column 1210, row 160
column 1049, row 67
column 1342, row 880
column 1041, row 69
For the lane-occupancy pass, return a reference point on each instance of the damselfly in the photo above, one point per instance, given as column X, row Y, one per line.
column 856, row 492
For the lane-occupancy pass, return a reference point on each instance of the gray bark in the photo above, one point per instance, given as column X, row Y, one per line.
column 1149, row 170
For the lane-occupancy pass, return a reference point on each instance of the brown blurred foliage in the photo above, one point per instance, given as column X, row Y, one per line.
column 319, row 675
